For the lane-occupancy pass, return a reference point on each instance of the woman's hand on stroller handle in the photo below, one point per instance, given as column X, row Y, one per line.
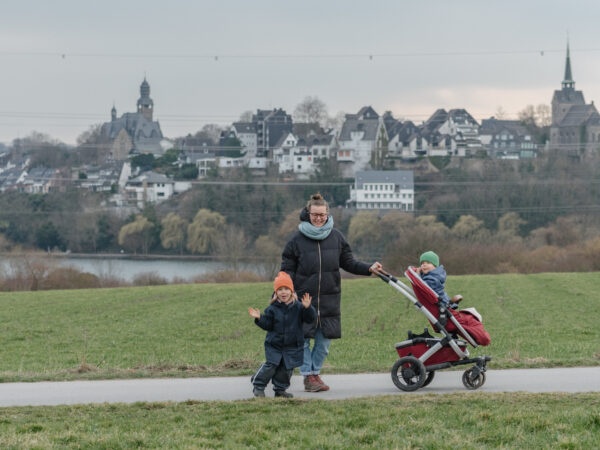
column 376, row 267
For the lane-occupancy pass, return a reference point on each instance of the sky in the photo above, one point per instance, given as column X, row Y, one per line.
column 65, row 63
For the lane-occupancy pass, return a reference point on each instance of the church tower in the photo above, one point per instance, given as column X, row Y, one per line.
column 145, row 104
column 567, row 96
column 575, row 128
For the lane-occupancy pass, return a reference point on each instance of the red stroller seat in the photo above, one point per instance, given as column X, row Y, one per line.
column 462, row 322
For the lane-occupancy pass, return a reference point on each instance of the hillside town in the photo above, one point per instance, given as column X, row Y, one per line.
column 375, row 150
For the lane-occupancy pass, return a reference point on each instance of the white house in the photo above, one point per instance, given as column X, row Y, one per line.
column 246, row 134
column 452, row 133
column 383, row 189
column 361, row 135
column 149, row 187
column 406, row 141
column 283, row 152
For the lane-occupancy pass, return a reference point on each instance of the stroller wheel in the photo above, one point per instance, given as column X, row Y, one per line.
column 429, row 378
column 408, row 373
column 473, row 378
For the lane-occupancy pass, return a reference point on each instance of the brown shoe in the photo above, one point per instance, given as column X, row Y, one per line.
column 324, row 387
column 311, row 384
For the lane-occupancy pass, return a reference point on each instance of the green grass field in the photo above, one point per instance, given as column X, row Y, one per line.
column 204, row 330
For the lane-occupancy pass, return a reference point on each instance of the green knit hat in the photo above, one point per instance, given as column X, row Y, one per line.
column 430, row 257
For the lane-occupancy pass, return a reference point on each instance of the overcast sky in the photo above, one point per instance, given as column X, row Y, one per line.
column 65, row 63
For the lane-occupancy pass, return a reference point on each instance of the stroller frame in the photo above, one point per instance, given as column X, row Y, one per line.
column 422, row 355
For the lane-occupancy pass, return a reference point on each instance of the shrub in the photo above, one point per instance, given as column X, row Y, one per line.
column 149, row 279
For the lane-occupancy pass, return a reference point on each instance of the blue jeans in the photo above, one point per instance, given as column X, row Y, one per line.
column 314, row 359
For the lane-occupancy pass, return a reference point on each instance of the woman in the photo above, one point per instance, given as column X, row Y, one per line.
column 313, row 258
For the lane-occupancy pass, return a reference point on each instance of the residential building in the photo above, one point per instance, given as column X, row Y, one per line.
column 406, row 142
column 363, row 142
column 104, row 178
column 298, row 152
column 247, row 135
column 284, row 152
column 507, row 139
column 11, row 178
column 270, row 126
column 149, row 187
column 42, row 180
column 383, row 190
column 451, row 133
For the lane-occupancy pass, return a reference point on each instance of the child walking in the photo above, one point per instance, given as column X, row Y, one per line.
column 284, row 343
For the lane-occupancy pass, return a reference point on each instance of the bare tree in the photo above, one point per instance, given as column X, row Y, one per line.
column 246, row 116
column 269, row 254
column 92, row 135
column 543, row 115
column 212, row 131
column 537, row 116
column 500, row 113
column 232, row 246
column 336, row 122
column 311, row 110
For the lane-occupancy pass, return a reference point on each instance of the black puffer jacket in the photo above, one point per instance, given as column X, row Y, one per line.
column 315, row 268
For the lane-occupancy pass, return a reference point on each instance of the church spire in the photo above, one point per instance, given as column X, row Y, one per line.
column 568, row 82
column 145, row 103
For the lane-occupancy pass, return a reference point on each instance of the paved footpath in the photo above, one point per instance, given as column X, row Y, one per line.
column 571, row 380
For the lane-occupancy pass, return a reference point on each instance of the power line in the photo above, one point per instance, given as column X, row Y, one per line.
column 216, row 56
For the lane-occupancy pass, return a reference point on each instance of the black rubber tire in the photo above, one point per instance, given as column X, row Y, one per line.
column 473, row 383
column 408, row 374
column 429, row 378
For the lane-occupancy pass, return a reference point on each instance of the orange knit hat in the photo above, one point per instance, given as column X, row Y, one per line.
column 283, row 280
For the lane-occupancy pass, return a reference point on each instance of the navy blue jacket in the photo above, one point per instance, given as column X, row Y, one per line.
column 436, row 280
column 285, row 338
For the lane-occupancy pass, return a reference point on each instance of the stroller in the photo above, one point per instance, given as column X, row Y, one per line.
column 421, row 355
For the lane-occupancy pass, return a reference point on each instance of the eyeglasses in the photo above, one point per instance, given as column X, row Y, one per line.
column 318, row 216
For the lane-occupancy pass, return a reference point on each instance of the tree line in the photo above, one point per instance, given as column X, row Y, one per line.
column 480, row 215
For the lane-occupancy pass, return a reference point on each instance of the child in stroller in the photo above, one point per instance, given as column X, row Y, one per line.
column 423, row 354
column 434, row 274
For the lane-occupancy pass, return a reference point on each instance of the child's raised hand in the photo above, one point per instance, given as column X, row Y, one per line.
column 254, row 313
column 306, row 299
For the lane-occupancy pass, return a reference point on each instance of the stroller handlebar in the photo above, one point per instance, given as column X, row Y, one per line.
column 385, row 276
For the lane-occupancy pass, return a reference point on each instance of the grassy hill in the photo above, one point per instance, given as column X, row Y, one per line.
column 204, row 329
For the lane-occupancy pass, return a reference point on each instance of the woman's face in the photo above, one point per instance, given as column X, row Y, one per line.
column 318, row 215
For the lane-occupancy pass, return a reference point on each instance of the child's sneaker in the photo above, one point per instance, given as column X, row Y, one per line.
column 258, row 392
column 283, row 394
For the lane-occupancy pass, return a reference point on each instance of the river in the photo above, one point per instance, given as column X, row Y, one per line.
column 128, row 269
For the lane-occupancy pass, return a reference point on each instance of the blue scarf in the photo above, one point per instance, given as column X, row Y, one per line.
column 316, row 233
